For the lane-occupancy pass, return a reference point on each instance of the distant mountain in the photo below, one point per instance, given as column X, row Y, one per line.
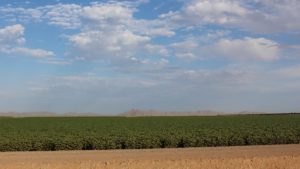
column 137, row 113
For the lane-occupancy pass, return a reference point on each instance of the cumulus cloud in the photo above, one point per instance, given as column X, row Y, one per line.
column 107, row 13
column 204, row 12
column 258, row 16
column 187, row 49
column 111, row 32
column 186, row 56
column 118, row 47
column 264, row 16
column 161, row 32
column 12, row 43
column 214, row 11
column 20, row 14
column 247, row 49
column 213, row 45
column 11, row 35
column 108, row 44
column 273, row 16
column 63, row 15
column 97, row 15
column 107, row 31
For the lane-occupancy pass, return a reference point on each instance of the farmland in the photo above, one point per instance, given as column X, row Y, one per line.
column 98, row 133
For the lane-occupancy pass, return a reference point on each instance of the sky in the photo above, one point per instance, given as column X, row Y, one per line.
column 173, row 55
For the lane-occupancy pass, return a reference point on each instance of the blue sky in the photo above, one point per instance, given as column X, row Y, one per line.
column 112, row 56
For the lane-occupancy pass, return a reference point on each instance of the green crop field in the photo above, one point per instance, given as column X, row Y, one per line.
column 90, row 133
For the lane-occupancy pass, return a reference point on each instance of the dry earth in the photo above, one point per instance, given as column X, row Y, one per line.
column 251, row 157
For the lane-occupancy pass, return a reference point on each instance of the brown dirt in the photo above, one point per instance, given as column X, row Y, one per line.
column 250, row 157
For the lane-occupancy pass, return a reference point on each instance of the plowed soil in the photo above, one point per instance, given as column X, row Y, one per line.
column 246, row 157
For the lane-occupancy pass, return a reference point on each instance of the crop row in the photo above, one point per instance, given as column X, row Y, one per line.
column 97, row 133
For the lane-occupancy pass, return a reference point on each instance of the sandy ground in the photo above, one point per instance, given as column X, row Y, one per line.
column 250, row 157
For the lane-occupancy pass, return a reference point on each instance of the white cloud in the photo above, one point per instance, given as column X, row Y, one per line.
column 56, row 61
column 12, row 43
column 108, row 44
column 11, row 35
column 273, row 16
column 204, row 12
column 186, row 56
column 92, row 16
column 31, row 52
column 214, row 35
column 214, row 11
column 107, row 13
column 111, row 33
column 186, row 49
column 160, row 32
column 107, row 31
column 263, row 16
column 20, row 14
column 195, row 47
column 214, row 46
column 157, row 49
column 188, row 44
column 247, row 49
column 64, row 15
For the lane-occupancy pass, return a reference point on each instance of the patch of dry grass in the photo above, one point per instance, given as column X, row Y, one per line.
column 248, row 157
column 285, row 162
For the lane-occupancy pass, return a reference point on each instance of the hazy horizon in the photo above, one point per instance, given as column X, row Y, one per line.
column 112, row 56
column 136, row 113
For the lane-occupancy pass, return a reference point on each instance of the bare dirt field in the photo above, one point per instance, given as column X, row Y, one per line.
column 250, row 157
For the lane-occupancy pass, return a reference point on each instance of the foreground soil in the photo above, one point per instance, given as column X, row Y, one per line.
column 247, row 157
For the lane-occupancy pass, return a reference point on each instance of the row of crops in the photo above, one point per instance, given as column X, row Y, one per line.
column 95, row 133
